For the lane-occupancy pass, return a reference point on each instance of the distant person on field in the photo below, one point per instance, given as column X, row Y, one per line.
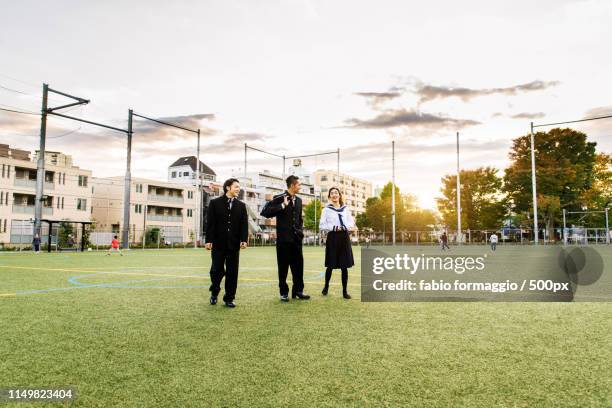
column 36, row 243
column 444, row 241
column 493, row 241
column 114, row 246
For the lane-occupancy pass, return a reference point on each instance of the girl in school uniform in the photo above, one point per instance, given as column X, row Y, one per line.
column 337, row 221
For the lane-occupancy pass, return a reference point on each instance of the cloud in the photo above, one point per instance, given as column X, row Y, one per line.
column 376, row 99
column 402, row 117
column 430, row 92
column 240, row 138
column 599, row 111
column 527, row 115
column 523, row 115
column 155, row 132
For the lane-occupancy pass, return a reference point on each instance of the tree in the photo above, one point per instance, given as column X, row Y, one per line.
column 564, row 170
column 309, row 214
column 482, row 204
column 64, row 232
column 408, row 216
column 599, row 195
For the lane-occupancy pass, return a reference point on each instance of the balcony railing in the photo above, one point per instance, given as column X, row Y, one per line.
column 29, row 209
column 168, row 199
column 165, row 218
column 31, row 183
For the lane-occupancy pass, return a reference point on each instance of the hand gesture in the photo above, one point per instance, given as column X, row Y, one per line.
column 243, row 245
column 208, row 246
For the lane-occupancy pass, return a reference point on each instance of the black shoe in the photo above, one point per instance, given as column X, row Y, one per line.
column 301, row 296
column 213, row 300
column 284, row 298
column 230, row 304
column 324, row 291
column 346, row 295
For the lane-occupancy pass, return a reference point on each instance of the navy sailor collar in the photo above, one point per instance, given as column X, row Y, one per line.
column 331, row 207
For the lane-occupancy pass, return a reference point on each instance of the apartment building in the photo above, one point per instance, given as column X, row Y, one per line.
column 259, row 187
column 171, row 207
column 355, row 191
column 67, row 193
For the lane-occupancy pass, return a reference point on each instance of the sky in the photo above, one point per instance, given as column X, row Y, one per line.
column 300, row 77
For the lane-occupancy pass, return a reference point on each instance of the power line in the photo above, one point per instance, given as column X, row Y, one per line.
column 18, row 111
column 573, row 121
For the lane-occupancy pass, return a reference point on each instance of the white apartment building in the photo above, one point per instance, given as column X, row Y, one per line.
column 67, row 193
column 171, row 207
column 355, row 191
column 259, row 187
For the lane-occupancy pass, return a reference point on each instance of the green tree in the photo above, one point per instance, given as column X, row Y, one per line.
column 599, row 195
column 309, row 214
column 482, row 203
column 408, row 216
column 564, row 169
column 64, row 232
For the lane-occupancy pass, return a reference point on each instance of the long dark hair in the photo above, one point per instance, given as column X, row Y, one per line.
column 338, row 190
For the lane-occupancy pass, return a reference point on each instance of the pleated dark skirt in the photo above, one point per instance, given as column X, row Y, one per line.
column 338, row 251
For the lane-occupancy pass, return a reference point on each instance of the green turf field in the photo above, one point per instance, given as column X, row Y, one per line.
column 138, row 331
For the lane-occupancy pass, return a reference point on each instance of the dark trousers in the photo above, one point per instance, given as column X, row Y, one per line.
column 224, row 264
column 289, row 254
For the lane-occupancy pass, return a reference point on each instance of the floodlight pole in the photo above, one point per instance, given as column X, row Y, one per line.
column 338, row 166
column 458, row 196
column 564, row 229
column 607, row 228
column 245, row 160
column 40, row 167
column 393, row 191
column 127, row 185
column 197, row 198
column 533, row 188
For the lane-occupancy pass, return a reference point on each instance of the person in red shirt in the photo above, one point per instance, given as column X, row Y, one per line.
column 114, row 246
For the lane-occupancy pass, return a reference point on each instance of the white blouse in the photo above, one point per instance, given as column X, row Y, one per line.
column 333, row 219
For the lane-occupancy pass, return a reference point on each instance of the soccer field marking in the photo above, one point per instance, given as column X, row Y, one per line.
column 126, row 285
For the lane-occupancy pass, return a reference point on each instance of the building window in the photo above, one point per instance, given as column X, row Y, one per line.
column 139, row 188
column 189, row 213
column 57, row 204
column 4, row 226
column 138, row 208
column 190, row 194
column 62, row 203
column 3, row 166
column 185, row 173
column 81, row 204
column 323, row 178
column 174, row 174
column 2, row 198
column 82, row 181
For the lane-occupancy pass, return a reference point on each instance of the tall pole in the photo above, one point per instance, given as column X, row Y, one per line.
column 459, row 234
column 564, row 229
column 315, row 215
column 125, row 238
column 245, row 160
column 607, row 228
column 393, row 191
column 197, row 197
column 533, row 188
column 40, row 167
column 284, row 159
column 338, row 168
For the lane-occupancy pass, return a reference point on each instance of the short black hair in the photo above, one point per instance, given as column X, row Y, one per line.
column 228, row 183
column 115, row 237
column 291, row 180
